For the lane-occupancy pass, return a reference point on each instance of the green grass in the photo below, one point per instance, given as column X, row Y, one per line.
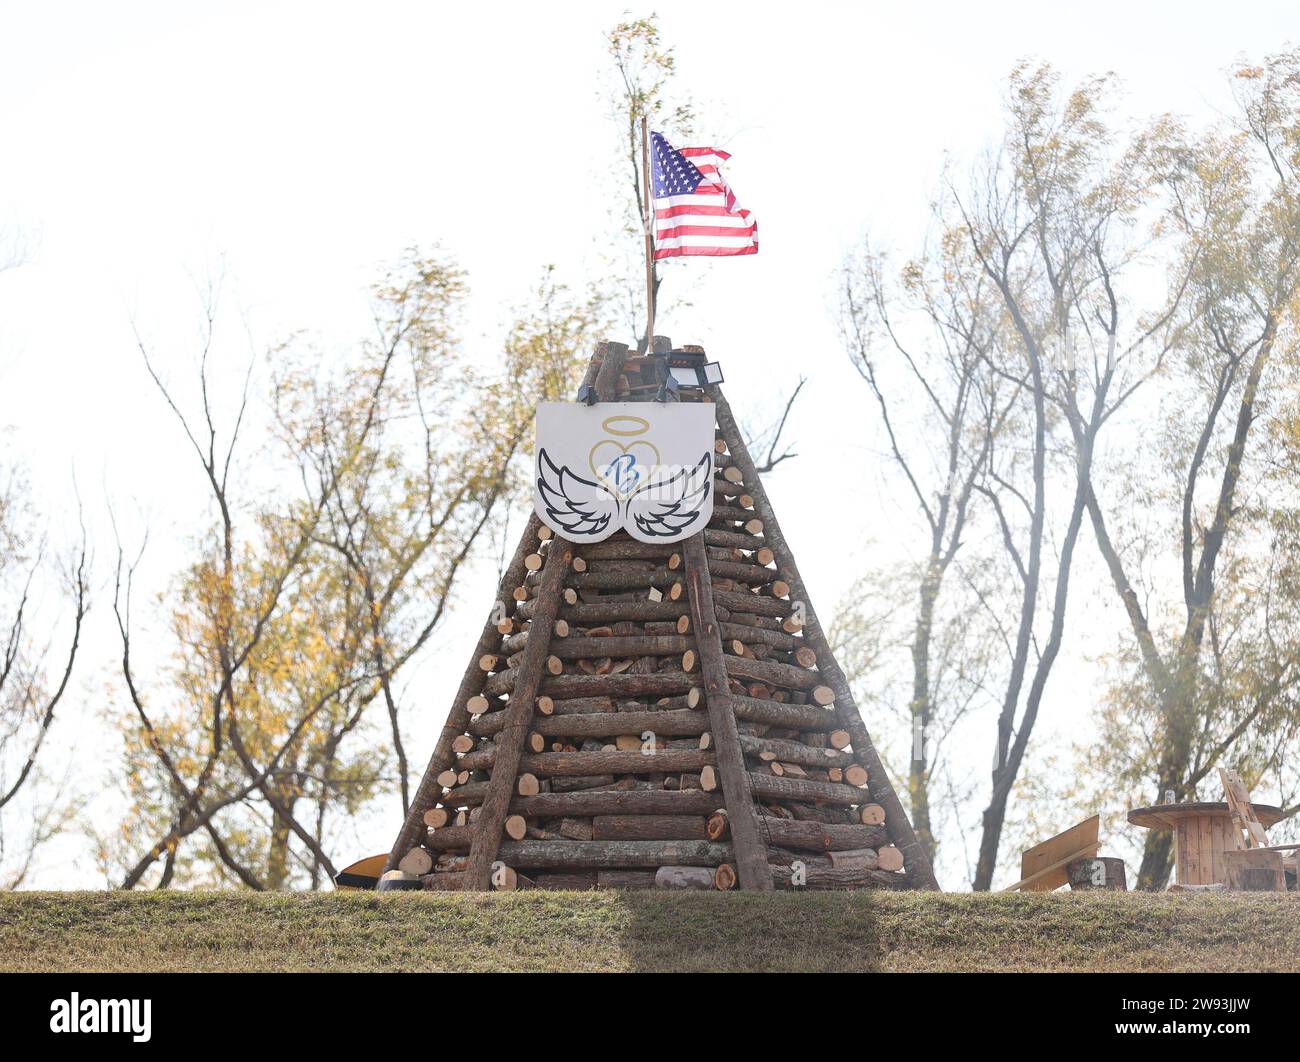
column 647, row 931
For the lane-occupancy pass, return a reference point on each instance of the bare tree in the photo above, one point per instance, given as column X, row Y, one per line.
column 1235, row 209
column 34, row 679
column 941, row 455
column 34, row 671
column 1055, row 221
column 1024, row 344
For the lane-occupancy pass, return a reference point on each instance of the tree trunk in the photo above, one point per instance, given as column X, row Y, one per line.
column 918, row 777
column 277, row 856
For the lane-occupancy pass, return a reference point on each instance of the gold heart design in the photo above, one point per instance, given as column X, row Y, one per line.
column 607, row 451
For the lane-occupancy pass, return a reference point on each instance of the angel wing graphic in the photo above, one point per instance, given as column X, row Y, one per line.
column 581, row 508
column 668, row 506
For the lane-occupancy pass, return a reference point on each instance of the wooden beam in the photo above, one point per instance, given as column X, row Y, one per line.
column 579, row 764
column 769, row 785
column 682, row 722
column 822, row 837
column 751, row 852
column 549, row 855
column 618, row 802
column 471, row 683
column 474, row 678
column 919, row 872
column 523, row 697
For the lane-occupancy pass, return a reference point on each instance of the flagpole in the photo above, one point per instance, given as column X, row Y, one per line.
column 648, row 220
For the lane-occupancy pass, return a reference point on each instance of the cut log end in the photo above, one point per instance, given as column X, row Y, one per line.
column 417, row 861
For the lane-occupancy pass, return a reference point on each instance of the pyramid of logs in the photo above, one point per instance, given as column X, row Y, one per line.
column 671, row 716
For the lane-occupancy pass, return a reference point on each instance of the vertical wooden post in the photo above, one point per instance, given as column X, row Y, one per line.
column 474, row 677
column 519, row 715
column 751, row 852
column 920, row 874
column 523, row 696
column 648, row 213
column 458, row 718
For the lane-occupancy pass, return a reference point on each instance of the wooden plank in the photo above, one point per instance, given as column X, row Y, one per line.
column 1243, row 814
column 1211, row 852
column 1050, row 854
column 751, row 852
column 1189, row 836
column 1052, row 872
column 363, row 874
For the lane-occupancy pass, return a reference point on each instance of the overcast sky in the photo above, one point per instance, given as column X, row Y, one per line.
column 297, row 147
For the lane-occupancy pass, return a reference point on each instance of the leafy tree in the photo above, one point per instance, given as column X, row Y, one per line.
column 301, row 609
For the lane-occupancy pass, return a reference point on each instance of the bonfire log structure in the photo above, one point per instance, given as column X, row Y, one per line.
column 658, row 715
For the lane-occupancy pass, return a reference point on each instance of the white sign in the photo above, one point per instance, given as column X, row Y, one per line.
column 644, row 467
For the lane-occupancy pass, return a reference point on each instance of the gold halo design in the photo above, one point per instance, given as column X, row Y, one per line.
column 614, row 425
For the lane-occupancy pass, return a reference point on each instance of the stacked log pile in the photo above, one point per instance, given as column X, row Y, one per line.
column 642, row 715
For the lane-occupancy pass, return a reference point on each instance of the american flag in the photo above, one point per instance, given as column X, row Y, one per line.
column 695, row 209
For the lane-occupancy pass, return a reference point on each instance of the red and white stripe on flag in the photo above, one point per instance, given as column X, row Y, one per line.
column 707, row 221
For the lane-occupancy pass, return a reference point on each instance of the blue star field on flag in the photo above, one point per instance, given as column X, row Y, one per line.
column 673, row 173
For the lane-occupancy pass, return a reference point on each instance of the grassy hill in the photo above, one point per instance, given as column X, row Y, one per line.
column 647, row 931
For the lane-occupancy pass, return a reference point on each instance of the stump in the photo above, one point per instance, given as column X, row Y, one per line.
column 1103, row 872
